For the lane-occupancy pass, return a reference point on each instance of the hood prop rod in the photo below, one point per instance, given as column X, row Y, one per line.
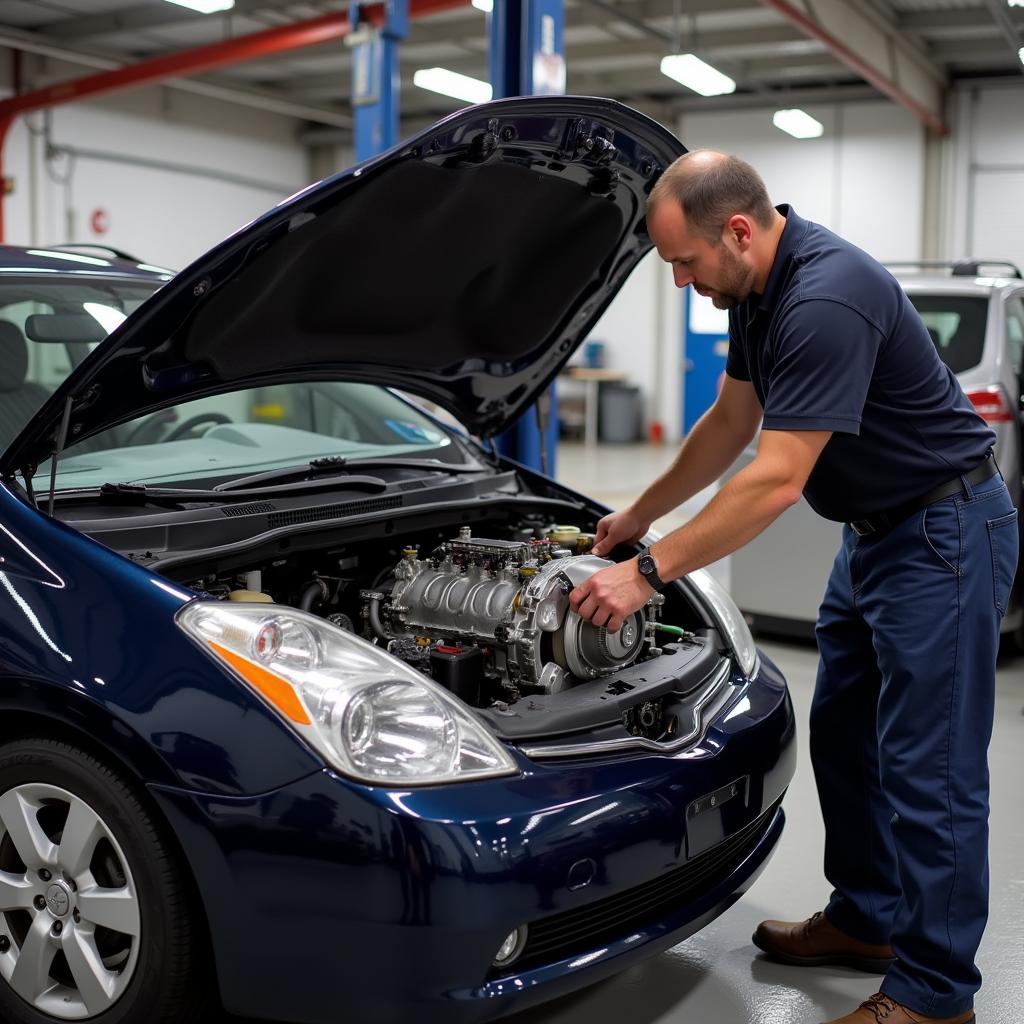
column 62, row 437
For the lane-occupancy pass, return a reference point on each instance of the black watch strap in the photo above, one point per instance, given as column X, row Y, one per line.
column 648, row 567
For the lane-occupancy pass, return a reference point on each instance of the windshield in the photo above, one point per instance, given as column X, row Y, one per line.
column 47, row 327
column 956, row 324
column 249, row 431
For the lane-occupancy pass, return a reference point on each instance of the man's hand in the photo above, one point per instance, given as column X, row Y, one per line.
column 610, row 596
column 623, row 527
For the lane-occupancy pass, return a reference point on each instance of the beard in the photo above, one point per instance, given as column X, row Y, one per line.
column 736, row 281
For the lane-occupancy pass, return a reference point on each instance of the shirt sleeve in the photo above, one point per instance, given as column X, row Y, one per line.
column 736, row 360
column 824, row 356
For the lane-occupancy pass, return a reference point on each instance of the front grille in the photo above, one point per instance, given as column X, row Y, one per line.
column 574, row 931
column 346, row 508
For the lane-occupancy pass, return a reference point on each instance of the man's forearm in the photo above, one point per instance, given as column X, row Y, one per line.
column 708, row 451
column 742, row 509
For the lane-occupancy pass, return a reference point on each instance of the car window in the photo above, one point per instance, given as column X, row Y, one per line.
column 1015, row 333
column 47, row 327
column 956, row 324
column 251, row 430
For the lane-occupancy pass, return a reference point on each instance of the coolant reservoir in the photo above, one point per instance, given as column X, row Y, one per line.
column 573, row 538
column 253, row 596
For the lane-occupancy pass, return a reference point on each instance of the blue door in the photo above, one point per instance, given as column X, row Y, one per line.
column 705, row 345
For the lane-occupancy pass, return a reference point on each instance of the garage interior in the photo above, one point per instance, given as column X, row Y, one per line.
column 159, row 127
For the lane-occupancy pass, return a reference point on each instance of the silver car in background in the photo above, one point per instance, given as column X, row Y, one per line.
column 974, row 311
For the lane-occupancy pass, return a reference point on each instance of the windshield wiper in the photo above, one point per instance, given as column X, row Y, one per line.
column 339, row 464
column 139, row 494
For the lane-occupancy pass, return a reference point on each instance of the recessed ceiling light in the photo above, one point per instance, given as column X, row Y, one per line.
column 798, row 123
column 205, row 6
column 695, row 74
column 451, row 83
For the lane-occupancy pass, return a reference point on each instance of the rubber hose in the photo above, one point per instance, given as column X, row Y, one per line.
column 674, row 630
column 316, row 591
column 375, row 624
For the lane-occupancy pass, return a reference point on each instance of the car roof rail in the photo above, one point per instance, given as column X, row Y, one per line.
column 960, row 268
column 109, row 250
column 972, row 268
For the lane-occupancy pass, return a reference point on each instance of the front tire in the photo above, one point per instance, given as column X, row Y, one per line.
column 95, row 916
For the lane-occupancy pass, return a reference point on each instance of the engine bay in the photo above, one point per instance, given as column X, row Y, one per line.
column 483, row 611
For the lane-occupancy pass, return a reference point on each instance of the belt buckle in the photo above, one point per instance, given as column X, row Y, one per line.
column 862, row 527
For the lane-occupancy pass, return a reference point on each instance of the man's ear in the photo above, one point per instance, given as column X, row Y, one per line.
column 741, row 230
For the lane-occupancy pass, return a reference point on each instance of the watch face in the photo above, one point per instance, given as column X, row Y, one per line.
column 646, row 563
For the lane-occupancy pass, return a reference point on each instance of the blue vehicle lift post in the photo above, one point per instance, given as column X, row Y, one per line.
column 376, row 78
column 527, row 58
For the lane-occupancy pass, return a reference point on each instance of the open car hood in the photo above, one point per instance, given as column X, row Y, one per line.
column 465, row 265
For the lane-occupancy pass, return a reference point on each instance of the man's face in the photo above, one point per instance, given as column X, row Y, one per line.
column 716, row 271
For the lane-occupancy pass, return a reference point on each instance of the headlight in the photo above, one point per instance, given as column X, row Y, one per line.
column 366, row 713
column 729, row 618
column 724, row 609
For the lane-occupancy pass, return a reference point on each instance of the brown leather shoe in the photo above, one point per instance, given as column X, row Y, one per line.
column 817, row 942
column 881, row 1009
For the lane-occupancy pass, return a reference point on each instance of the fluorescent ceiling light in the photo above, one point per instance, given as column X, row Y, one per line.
column 691, row 71
column 487, row 6
column 451, row 83
column 205, row 6
column 798, row 123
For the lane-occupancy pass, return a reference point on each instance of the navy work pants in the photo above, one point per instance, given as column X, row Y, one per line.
column 900, row 726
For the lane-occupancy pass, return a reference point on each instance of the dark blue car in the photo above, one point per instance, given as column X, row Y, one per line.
column 294, row 713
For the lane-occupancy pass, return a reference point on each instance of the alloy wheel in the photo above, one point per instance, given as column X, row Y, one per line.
column 70, row 922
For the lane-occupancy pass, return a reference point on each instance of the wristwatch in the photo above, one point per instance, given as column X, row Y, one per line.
column 649, row 569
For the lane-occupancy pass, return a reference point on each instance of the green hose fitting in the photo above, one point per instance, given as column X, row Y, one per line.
column 674, row 630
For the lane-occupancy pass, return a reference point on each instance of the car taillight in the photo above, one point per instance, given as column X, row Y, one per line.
column 991, row 404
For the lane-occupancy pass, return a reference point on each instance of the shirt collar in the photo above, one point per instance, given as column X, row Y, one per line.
column 790, row 238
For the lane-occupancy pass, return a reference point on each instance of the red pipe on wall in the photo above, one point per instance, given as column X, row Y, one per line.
column 197, row 60
column 842, row 52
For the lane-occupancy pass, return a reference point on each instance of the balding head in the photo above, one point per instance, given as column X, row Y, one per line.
column 710, row 188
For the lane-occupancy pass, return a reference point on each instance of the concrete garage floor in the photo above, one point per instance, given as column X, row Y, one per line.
column 716, row 976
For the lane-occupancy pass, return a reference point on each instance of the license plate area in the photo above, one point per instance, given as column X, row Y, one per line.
column 711, row 818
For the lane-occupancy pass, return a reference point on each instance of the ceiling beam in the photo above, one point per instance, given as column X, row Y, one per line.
column 268, row 99
column 873, row 47
column 156, row 16
column 738, row 45
column 963, row 51
column 974, row 18
column 1001, row 16
column 147, row 16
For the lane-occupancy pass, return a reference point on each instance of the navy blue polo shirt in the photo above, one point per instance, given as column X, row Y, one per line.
column 835, row 344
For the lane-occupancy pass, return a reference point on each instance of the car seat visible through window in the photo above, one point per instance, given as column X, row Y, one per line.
column 19, row 398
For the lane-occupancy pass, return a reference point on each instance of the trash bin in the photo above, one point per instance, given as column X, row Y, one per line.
column 619, row 406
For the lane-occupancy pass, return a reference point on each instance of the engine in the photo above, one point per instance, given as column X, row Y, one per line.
column 479, row 609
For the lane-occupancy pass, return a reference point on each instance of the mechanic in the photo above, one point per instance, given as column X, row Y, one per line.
column 860, row 416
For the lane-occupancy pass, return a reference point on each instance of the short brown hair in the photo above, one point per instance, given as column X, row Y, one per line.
column 712, row 187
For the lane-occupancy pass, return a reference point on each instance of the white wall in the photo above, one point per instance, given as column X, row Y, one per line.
column 985, row 194
column 202, row 169
column 864, row 179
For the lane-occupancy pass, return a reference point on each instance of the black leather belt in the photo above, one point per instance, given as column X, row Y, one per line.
column 883, row 522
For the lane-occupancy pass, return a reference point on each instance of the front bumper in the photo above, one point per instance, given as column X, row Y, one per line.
column 331, row 901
